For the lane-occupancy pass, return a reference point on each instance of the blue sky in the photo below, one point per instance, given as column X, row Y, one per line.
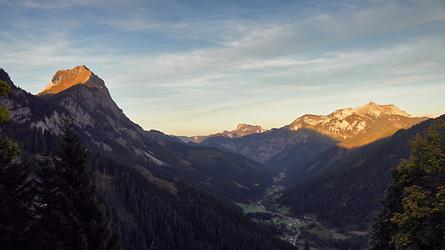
column 198, row 67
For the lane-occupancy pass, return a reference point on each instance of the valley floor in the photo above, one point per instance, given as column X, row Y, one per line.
column 305, row 232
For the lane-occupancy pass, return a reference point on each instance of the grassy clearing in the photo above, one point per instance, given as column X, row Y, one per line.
column 252, row 208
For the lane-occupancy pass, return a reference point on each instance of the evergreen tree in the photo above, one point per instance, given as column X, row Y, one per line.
column 16, row 190
column 72, row 217
column 413, row 216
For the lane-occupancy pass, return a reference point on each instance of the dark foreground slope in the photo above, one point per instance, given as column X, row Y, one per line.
column 150, row 207
column 346, row 186
column 149, row 216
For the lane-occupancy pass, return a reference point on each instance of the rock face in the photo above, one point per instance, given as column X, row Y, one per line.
column 241, row 130
column 354, row 127
column 87, row 99
column 65, row 79
column 245, row 129
column 79, row 94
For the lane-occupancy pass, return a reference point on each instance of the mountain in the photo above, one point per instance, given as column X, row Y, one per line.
column 160, row 191
column 353, row 127
column 245, row 129
column 81, row 95
column 240, row 131
column 345, row 187
column 292, row 145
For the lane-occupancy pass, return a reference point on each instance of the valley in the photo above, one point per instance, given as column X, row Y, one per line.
column 222, row 125
column 268, row 211
column 311, row 184
column 304, row 232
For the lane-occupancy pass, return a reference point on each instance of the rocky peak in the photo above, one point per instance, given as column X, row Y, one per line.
column 375, row 109
column 85, row 98
column 246, row 129
column 65, row 79
column 241, row 130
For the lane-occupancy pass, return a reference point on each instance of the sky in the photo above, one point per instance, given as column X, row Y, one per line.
column 192, row 67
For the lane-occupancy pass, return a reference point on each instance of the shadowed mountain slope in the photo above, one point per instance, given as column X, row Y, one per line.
column 344, row 187
column 105, row 128
column 144, row 176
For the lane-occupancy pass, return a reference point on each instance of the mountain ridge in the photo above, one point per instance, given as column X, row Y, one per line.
column 242, row 129
column 349, row 128
column 358, row 126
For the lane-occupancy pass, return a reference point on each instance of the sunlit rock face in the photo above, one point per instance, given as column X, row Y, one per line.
column 354, row 127
column 83, row 93
column 246, row 129
column 80, row 95
column 65, row 79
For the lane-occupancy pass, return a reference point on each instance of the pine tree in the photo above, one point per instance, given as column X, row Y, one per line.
column 58, row 221
column 73, row 218
column 413, row 216
column 16, row 190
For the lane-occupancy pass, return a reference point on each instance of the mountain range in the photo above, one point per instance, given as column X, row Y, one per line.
column 348, row 128
column 163, row 191
column 347, row 154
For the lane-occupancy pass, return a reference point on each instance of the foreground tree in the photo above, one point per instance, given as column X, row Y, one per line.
column 72, row 217
column 16, row 191
column 413, row 216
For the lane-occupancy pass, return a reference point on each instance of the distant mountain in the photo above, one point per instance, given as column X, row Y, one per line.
column 354, row 127
column 154, row 168
column 263, row 147
column 351, row 127
column 344, row 187
column 240, row 131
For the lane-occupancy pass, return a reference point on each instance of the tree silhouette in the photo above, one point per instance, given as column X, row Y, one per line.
column 413, row 216
column 16, row 190
column 72, row 217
